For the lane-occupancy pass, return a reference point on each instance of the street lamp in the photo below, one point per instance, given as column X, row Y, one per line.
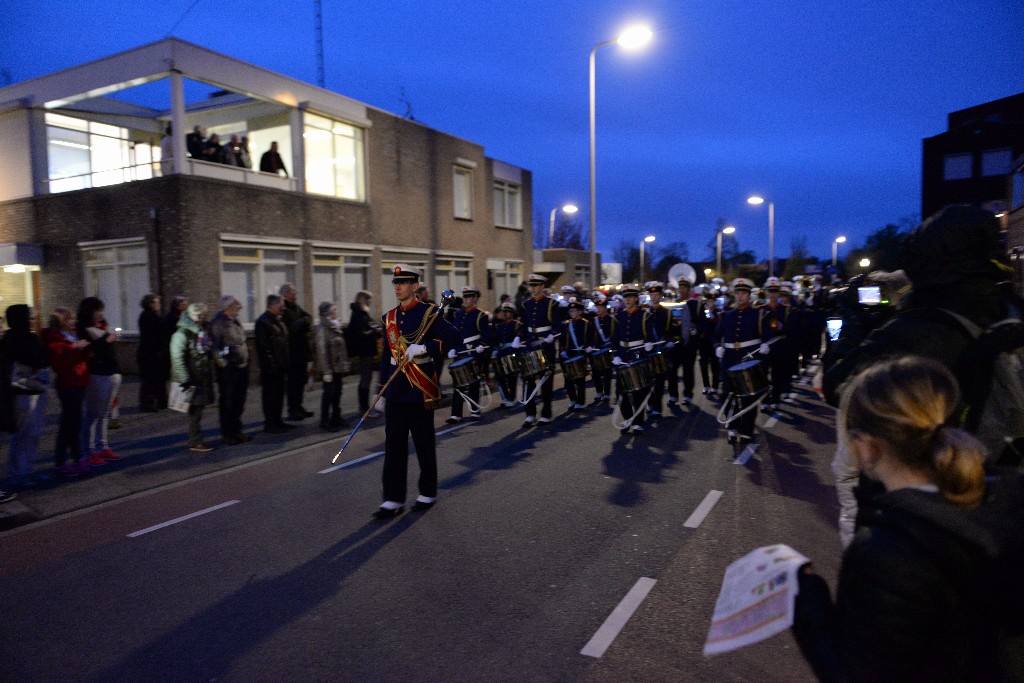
column 835, row 249
column 630, row 39
column 569, row 209
column 757, row 201
column 649, row 238
column 865, row 262
column 727, row 230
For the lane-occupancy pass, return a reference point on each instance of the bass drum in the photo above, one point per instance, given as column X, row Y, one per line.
column 602, row 358
column 748, row 378
column 635, row 376
column 465, row 372
column 575, row 367
column 532, row 363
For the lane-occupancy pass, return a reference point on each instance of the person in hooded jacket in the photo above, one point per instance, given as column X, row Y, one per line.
column 30, row 379
column 193, row 364
column 361, row 335
column 929, row 588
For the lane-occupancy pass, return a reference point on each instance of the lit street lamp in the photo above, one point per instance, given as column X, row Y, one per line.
column 865, row 262
column 835, row 249
column 649, row 238
column 757, row 201
column 631, row 38
column 569, row 209
column 727, row 230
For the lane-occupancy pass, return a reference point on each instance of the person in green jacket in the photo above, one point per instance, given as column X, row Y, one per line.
column 193, row 365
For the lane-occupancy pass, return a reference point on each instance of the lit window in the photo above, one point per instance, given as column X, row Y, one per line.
column 87, row 154
column 251, row 272
column 334, row 158
column 958, row 166
column 118, row 274
column 462, row 181
column 996, row 162
column 506, row 204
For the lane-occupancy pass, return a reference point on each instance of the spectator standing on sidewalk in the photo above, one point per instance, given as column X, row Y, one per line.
column 153, row 356
column 67, row 358
column 104, row 380
column 299, row 324
column 332, row 363
column 361, row 335
column 272, row 354
column 192, row 366
column 24, row 358
column 230, row 346
column 178, row 305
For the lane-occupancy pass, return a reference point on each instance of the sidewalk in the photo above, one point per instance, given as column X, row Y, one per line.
column 155, row 452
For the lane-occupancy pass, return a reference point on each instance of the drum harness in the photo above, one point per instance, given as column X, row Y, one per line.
column 727, row 403
column 643, row 405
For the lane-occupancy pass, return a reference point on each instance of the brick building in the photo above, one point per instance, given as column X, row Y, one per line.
column 95, row 200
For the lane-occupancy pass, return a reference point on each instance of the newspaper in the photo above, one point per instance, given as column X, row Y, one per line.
column 757, row 598
column 179, row 399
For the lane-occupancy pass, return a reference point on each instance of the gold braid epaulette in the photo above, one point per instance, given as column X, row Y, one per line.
column 413, row 336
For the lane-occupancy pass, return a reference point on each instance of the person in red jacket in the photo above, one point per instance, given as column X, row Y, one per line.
column 67, row 358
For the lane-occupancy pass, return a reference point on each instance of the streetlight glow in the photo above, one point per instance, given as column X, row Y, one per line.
column 865, row 262
column 835, row 249
column 649, row 238
column 567, row 208
column 756, row 200
column 570, row 209
column 634, row 37
column 840, row 239
column 728, row 230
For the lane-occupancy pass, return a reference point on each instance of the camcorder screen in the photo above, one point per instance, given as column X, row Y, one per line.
column 869, row 295
column 834, row 327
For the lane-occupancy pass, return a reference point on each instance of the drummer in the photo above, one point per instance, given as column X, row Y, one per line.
column 668, row 331
column 572, row 343
column 504, row 330
column 783, row 358
column 542, row 317
column 634, row 337
column 475, row 328
column 602, row 337
column 685, row 358
column 742, row 331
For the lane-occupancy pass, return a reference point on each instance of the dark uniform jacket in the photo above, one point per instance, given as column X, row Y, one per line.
column 440, row 338
column 541, row 317
column 575, row 336
column 602, row 331
column 633, row 330
column 504, row 333
column 474, row 326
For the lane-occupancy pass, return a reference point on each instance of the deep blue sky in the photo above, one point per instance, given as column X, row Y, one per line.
column 819, row 104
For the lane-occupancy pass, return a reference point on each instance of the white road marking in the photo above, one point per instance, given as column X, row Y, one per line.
column 452, row 429
column 615, row 622
column 771, row 422
column 181, row 519
column 702, row 511
column 745, row 456
column 371, row 456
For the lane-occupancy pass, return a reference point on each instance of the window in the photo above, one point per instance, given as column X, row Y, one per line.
column 334, row 158
column 508, row 279
column 251, row 272
column 462, row 181
column 118, row 274
column 958, row 166
column 87, row 154
column 337, row 277
column 996, row 162
column 506, row 204
column 581, row 272
column 451, row 274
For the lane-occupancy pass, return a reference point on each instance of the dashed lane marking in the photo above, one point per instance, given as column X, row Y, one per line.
column 155, row 527
column 615, row 622
column 703, row 510
column 745, row 456
column 771, row 422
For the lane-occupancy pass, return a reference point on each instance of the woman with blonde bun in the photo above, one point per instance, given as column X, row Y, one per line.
column 928, row 589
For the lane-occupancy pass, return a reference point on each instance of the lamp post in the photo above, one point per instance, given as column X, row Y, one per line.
column 631, row 38
column 835, row 249
column 757, row 201
column 649, row 238
column 569, row 209
column 727, row 230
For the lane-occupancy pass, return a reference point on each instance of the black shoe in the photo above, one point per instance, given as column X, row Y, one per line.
column 287, row 427
column 383, row 514
column 293, row 417
column 420, row 506
column 306, row 413
column 275, row 429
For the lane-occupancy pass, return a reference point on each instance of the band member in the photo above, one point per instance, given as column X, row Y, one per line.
column 542, row 316
column 783, row 357
column 475, row 328
column 687, row 315
column 634, row 336
column 573, row 342
column 707, row 325
column 413, row 332
column 743, row 329
column 602, row 336
column 665, row 323
column 504, row 331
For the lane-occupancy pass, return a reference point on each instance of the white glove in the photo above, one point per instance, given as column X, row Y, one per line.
column 328, row 378
column 617, row 361
column 648, row 347
column 550, row 339
column 564, row 303
column 452, row 353
column 720, row 351
column 479, row 348
column 516, row 343
column 589, row 349
column 763, row 349
column 415, row 350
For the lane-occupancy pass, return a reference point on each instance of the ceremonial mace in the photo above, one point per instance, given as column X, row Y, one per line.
column 446, row 298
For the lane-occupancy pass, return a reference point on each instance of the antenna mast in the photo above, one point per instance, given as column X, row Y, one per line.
column 319, row 43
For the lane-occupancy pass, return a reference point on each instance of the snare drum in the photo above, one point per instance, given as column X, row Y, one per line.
column 465, row 372
column 575, row 367
column 635, row 376
column 602, row 358
column 659, row 362
column 532, row 363
column 507, row 364
column 748, row 378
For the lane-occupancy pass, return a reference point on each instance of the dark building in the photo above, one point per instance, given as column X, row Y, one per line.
column 971, row 162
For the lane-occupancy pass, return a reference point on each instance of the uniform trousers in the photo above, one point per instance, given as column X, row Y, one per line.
column 602, row 379
column 401, row 420
column 685, row 360
column 709, row 366
column 783, row 362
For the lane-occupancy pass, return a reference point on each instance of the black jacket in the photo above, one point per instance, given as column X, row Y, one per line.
column 360, row 336
column 927, row 592
column 271, row 343
column 154, row 350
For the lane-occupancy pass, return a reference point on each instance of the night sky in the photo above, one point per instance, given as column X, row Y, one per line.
column 820, row 105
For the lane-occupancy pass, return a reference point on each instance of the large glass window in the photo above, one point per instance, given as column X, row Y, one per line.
column 996, row 162
column 334, row 158
column 958, row 166
column 506, row 204
column 260, row 141
column 337, row 277
column 88, row 154
column 451, row 274
column 118, row 274
column 462, row 182
column 251, row 272
column 508, row 279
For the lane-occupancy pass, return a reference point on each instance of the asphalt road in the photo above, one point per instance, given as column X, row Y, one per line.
column 537, row 537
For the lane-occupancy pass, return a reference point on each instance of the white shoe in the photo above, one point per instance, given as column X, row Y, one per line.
column 454, row 420
column 637, row 429
column 687, row 401
column 673, row 401
column 530, row 419
column 654, row 413
column 508, row 404
column 545, row 420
